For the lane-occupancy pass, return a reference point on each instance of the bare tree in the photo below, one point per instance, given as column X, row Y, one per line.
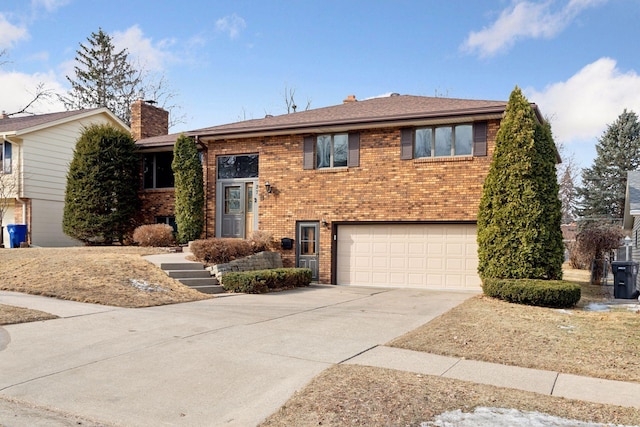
column 567, row 178
column 290, row 102
column 41, row 93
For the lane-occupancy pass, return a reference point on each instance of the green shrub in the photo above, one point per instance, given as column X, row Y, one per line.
column 220, row 250
column 261, row 281
column 543, row 293
column 156, row 235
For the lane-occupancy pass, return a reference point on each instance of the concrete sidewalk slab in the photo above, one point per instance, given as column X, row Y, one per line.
column 405, row 360
column 598, row 390
column 61, row 308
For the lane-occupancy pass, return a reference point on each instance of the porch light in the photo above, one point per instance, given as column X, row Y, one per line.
column 267, row 186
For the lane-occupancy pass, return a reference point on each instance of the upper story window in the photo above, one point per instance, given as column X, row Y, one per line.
column 5, row 157
column 444, row 141
column 331, row 151
column 157, row 170
column 239, row 166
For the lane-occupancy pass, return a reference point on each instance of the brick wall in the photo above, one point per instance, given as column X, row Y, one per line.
column 156, row 203
column 148, row 121
column 382, row 188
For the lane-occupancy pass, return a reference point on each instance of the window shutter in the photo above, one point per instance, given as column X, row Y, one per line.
column 480, row 139
column 308, row 151
column 406, row 144
column 353, row 159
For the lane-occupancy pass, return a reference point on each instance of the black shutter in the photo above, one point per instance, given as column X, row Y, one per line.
column 406, row 144
column 480, row 139
column 353, row 158
column 308, row 152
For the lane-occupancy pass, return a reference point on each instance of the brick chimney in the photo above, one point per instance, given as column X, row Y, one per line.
column 148, row 120
column 350, row 98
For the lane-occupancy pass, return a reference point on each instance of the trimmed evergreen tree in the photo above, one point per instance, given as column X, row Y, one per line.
column 604, row 184
column 519, row 216
column 101, row 196
column 189, row 189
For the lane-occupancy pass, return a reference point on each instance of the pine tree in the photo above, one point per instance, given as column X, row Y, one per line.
column 604, row 184
column 101, row 195
column 519, row 217
column 189, row 189
column 103, row 78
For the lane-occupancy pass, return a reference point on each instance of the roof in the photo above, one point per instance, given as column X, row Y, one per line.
column 632, row 199
column 17, row 125
column 384, row 111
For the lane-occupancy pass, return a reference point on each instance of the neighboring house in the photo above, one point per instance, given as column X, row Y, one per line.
column 631, row 221
column 381, row 192
column 36, row 153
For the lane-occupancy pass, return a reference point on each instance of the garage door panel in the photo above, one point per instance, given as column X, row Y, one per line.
column 417, row 255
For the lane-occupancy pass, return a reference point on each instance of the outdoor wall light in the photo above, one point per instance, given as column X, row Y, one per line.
column 267, row 186
column 324, row 222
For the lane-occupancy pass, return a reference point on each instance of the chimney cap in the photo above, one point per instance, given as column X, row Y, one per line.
column 150, row 101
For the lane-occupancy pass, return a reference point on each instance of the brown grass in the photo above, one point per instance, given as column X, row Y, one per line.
column 10, row 315
column 351, row 395
column 99, row 275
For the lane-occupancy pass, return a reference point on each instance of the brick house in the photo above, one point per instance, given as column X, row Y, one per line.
column 380, row 192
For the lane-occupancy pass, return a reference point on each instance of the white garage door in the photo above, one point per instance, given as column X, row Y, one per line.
column 428, row 256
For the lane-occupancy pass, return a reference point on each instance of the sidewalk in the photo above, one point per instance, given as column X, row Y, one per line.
column 538, row 381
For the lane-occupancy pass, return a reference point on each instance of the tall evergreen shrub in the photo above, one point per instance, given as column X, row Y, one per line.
column 519, row 217
column 189, row 189
column 101, row 196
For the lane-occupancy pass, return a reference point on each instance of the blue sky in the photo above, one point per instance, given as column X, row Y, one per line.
column 231, row 60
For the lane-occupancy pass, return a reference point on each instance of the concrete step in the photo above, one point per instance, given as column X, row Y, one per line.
column 188, row 274
column 181, row 266
column 199, row 281
column 210, row 289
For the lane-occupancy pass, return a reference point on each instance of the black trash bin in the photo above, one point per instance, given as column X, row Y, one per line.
column 624, row 279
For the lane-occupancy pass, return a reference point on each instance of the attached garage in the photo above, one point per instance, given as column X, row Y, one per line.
column 425, row 256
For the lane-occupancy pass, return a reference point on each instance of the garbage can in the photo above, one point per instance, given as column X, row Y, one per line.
column 17, row 234
column 624, row 279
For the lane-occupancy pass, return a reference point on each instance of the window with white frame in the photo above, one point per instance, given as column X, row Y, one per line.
column 5, row 157
column 331, row 151
column 442, row 141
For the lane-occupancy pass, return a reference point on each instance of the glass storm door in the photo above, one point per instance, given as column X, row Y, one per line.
column 233, row 210
column 308, row 247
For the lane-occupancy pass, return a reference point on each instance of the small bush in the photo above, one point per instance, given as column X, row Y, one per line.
column 543, row 293
column 220, row 250
column 156, row 235
column 262, row 241
column 261, row 281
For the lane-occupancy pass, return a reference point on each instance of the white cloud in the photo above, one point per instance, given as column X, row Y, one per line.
column 49, row 5
column 10, row 34
column 524, row 19
column 151, row 56
column 581, row 107
column 18, row 89
column 231, row 24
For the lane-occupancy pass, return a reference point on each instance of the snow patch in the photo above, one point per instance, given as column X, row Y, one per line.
column 143, row 285
column 501, row 417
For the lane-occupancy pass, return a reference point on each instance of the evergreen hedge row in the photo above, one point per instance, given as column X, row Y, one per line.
column 261, row 281
column 543, row 293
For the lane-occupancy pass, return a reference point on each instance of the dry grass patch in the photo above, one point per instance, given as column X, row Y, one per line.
column 363, row 396
column 99, row 275
column 10, row 315
column 597, row 344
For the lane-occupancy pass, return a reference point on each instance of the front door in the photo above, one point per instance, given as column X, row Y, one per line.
column 308, row 247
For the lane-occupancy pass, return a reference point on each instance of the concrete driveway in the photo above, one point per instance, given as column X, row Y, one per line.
column 232, row 360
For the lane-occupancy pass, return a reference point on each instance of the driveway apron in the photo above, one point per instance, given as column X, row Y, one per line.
column 232, row 360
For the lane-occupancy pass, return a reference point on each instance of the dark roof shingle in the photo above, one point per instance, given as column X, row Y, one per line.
column 15, row 124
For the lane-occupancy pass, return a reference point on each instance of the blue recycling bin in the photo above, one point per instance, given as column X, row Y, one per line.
column 17, row 234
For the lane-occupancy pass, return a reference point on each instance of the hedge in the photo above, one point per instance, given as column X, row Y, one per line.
column 543, row 293
column 261, row 281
